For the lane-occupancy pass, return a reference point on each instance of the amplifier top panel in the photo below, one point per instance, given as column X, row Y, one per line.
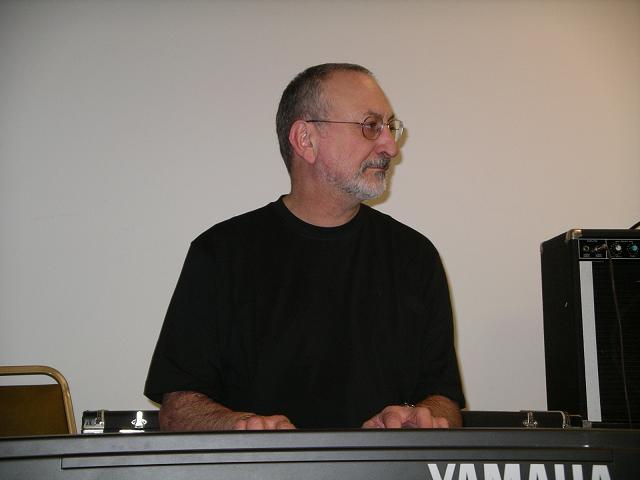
column 614, row 248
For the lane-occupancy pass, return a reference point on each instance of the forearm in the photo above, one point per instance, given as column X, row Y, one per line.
column 181, row 411
column 443, row 407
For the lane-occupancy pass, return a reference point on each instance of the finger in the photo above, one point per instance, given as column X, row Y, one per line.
column 285, row 425
column 273, row 422
column 372, row 423
column 376, row 422
column 421, row 418
column 277, row 422
column 392, row 418
column 255, row 422
column 440, row 422
column 240, row 423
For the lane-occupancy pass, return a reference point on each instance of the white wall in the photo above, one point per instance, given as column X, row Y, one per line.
column 128, row 127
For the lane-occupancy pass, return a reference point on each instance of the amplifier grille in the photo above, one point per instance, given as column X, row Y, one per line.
column 627, row 283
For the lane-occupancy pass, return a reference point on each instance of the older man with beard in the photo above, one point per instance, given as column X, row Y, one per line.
column 314, row 311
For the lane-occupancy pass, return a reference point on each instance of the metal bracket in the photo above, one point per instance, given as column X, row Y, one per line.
column 530, row 421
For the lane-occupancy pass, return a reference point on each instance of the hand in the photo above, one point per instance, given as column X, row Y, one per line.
column 399, row 416
column 251, row 421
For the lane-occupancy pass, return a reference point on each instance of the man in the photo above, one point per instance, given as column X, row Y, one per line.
column 314, row 311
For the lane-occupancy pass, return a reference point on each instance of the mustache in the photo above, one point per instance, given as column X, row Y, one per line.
column 382, row 161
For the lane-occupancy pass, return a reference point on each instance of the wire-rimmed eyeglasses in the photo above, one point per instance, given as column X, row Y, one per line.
column 372, row 126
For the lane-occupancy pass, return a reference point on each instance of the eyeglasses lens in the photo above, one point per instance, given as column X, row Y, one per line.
column 372, row 127
column 396, row 128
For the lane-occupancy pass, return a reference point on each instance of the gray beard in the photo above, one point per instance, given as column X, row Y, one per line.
column 358, row 187
column 363, row 190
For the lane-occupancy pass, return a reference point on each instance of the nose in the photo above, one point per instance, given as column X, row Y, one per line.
column 386, row 143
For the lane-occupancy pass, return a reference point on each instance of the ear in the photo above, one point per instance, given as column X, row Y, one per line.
column 302, row 138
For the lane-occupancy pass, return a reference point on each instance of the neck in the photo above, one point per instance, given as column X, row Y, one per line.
column 321, row 211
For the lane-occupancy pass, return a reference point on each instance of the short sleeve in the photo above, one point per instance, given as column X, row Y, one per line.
column 186, row 357
column 439, row 373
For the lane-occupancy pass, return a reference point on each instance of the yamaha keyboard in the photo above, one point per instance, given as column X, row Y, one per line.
column 469, row 454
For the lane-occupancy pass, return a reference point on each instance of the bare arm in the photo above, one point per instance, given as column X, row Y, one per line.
column 182, row 411
column 434, row 411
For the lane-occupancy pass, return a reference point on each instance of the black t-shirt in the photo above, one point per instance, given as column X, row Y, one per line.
column 324, row 325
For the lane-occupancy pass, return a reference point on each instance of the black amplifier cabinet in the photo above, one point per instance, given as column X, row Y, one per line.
column 584, row 345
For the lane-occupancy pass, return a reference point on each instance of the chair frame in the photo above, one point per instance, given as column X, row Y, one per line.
column 57, row 376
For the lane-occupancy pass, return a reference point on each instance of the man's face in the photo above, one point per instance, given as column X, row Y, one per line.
column 346, row 159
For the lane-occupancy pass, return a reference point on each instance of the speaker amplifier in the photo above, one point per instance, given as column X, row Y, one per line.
column 592, row 358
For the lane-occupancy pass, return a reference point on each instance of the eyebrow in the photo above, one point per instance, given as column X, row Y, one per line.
column 377, row 114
